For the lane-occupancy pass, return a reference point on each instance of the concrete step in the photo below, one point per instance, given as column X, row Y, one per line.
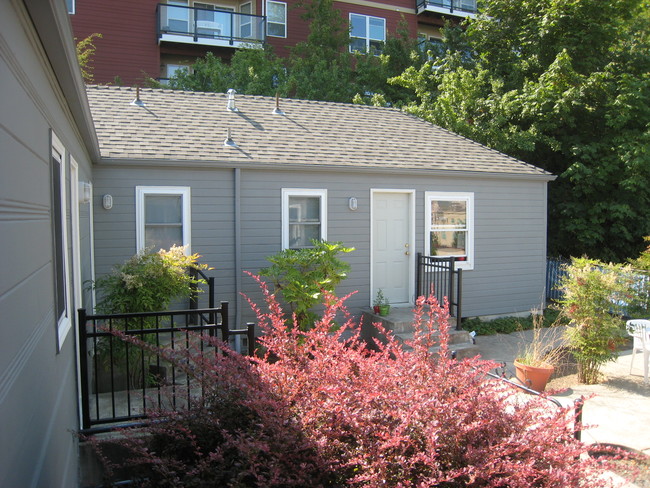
column 400, row 322
column 460, row 343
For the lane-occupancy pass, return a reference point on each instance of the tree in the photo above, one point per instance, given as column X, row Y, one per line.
column 85, row 50
column 563, row 85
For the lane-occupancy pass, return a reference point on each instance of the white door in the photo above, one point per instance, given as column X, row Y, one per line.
column 391, row 246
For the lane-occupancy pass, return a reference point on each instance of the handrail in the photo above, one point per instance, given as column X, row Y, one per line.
column 578, row 403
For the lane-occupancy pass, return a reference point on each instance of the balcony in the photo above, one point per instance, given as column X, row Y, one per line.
column 209, row 27
column 457, row 8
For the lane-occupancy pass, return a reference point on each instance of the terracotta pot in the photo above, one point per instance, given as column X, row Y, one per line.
column 534, row 377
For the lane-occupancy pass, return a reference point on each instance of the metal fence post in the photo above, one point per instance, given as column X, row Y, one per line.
column 83, row 352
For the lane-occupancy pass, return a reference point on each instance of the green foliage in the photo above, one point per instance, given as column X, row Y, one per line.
column 594, row 294
column 563, row 85
column 320, row 68
column 302, row 275
column 148, row 281
column 507, row 325
column 85, row 50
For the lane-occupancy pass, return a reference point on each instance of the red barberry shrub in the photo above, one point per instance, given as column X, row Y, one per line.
column 320, row 409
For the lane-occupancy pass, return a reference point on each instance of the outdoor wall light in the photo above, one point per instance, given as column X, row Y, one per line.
column 85, row 191
column 352, row 203
column 107, row 202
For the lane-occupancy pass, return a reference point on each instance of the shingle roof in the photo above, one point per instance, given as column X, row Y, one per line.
column 182, row 127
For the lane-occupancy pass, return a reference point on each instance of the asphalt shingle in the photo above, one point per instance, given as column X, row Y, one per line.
column 192, row 126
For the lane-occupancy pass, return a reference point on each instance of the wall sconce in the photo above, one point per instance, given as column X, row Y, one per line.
column 85, row 191
column 352, row 203
column 107, row 202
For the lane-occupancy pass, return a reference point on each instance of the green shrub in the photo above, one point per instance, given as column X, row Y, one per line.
column 148, row 281
column 507, row 325
column 301, row 276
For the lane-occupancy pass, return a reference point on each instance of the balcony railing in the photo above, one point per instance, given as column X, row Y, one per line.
column 209, row 27
column 458, row 8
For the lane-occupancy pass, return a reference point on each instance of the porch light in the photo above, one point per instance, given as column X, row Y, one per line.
column 231, row 100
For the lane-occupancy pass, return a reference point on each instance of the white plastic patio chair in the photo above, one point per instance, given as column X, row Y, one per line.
column 640, row 331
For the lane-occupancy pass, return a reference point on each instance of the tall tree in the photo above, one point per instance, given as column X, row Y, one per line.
column 564, row 85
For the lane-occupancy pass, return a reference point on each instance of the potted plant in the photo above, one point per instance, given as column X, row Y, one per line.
column 536, row 362
column 381, row 305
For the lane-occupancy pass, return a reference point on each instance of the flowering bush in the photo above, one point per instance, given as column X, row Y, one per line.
column 319, row 410
column 594, row 295
column 148, row 281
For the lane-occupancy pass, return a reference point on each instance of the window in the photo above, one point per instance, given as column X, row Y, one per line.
column 367, row 34
column 162, row 217
column 178, row 16
column 70, row 4
column 60, row 244
column 246, row 21
column 450, row 226
column 276, row 19
column 304, row 217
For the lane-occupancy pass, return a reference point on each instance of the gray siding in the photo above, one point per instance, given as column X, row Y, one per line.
column 510, row 227
column 38, row 395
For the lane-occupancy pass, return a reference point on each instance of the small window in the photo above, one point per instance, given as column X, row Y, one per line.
column 304, row 217
column 162, row 217
column 367, row 34
column 449, row 226
column 276, row 18
column 60, row 244
column 70, row 4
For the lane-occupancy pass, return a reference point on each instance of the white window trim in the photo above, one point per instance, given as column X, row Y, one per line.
column 142, row 191
column 283, row 23
column 293, row 192
column 367, row 38
column 468, row 197
column 63, row 322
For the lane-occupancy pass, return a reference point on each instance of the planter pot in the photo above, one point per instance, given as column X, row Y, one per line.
column 534, row 377
column 384, row 310
column 376, row 309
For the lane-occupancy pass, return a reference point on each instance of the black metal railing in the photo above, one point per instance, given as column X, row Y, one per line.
column 199, row 24
column 578, row 403
column 440, row 276
column 120, row 381
column 457, row 7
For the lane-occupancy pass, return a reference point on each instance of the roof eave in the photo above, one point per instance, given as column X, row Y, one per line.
column 310, row 167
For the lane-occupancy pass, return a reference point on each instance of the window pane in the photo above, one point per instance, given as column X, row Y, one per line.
column 163, row 209
column 59, row 258
column 377, row 30
column 304, row 209
column 276, row 30
column 451, row 215
column 301, row 235
column 276, row 12
column 163, row 237
column 448, row 243
column 358, row 45
column 358, row 25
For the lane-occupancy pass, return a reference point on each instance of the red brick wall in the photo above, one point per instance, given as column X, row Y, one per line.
column 128, row 47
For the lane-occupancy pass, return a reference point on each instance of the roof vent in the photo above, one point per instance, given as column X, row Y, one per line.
column 137, row 100
column 229, row 142
column 277, row 110
column 231, row 100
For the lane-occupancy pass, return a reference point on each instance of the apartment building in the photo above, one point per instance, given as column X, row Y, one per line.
column 145, row 38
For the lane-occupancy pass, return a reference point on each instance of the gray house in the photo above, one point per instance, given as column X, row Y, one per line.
column 238, row 178
column 236, row 185
column 47, row 146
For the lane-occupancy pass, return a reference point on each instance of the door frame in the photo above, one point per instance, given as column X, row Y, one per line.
column 411, row 238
